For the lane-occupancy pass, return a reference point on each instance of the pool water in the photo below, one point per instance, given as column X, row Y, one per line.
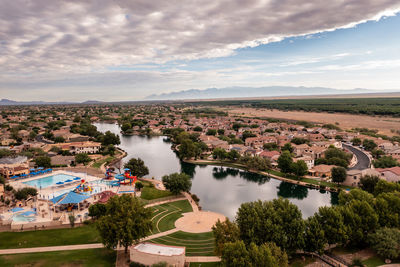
column 49, row 180
column 20, row 217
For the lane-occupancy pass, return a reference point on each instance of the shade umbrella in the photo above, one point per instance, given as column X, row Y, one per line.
column 68, row 181
column 77, row 178
column 60, row 183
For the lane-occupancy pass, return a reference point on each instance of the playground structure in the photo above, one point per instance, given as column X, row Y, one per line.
column 83, row 187
column 109, row 174
column 125, row 179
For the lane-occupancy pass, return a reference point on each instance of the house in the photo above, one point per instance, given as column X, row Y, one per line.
column 390, row 174
column 321, row 171
column 271, row 155
column 316, row 137
column 314, row 152
column 14, row 166
column 62, row 160
column 299, row 150
column 353, row 176
column 308, row 160
column 88, row 147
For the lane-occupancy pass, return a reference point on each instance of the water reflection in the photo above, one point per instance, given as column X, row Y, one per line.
column 220, row 189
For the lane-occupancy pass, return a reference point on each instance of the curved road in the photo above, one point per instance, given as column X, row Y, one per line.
column 363, row 161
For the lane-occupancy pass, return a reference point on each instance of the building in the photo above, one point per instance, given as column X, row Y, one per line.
column 353, row 176
column 390, row 174
column 322, row 170
column 308, row 160
column 14, row 166
column 88, row 147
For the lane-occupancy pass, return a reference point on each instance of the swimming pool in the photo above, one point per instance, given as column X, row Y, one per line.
column 49, row 180
column 28, row 216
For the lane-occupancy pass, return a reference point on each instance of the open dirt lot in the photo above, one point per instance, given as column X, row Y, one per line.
column 346, row 121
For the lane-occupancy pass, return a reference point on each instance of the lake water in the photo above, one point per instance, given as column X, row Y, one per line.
column 220, row 189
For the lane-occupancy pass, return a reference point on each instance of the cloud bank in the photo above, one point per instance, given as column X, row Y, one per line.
column 51, row 38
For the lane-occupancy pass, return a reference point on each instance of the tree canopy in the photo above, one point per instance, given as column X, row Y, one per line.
column 177, row 182
column 125, row 222
column 137, row 167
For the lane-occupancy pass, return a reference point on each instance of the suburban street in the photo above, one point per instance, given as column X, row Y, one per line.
column 363, row 161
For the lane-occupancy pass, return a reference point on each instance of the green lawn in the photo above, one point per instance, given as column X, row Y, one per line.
column 55, row 237
column 377, row 261
column 205, row 264
column 98, row 163
column 165, row 215
column 201, row 244
column 84, row 257
column 150, row 193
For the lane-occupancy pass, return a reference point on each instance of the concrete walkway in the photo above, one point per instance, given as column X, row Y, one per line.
column 48, row 249
column 202, row 259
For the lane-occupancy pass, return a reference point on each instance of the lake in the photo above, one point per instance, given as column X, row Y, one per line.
column 220, row 189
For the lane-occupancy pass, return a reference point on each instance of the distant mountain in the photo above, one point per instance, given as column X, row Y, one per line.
column 270, row 91
column 7, row 102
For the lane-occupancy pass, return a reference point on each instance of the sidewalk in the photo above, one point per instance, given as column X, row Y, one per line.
column 47, row 249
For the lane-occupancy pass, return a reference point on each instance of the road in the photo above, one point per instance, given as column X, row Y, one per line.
column 363, row 161
column 41, row 139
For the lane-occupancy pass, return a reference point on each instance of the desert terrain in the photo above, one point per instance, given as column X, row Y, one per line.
column 385, row 125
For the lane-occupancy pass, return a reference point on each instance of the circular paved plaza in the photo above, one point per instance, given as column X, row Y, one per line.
column 198, row 222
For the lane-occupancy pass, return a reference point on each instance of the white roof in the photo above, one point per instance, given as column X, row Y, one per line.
column 159, row 249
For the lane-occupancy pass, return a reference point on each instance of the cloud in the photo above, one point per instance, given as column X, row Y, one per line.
column 76, row 36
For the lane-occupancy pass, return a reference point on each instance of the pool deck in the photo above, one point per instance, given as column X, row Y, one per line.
column 46, row 214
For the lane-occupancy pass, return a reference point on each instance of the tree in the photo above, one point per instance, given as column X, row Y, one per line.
column 246, row 134
column 369, row 144
column 126, row 126
column 299, row 168
column 211, row 132
column 359, row 219
column 125, row 222
column 387, row 206
column 368, row 183
column 377, row 153
column 137, row 167
column 356, row 141
column 285, row 162
column 287, row 147
column 277, row 221
column 97, row 210
column 355, row 194
column 386, row 187
column 386, row 242
column 43, row 161
column 25, row 192
column 221, row 131
column 139, row 185
column 177, row 182
column 331, row 220
column 233, row 155
column 314, row 236
column 385, row 162
column 110, row 138
column 236, row 254
column 187, row 149
column 59, row 139
column 338, row 174
column 82, row 158
column 219, row 153
column 299, row 141
column 224, row 232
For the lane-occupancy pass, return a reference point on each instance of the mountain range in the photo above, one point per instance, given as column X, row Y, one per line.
column 7, row 102
column 242, row 92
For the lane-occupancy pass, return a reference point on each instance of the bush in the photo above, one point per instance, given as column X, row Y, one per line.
column 24, row 193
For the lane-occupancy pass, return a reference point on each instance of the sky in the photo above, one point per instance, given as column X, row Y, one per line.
column 119, row 50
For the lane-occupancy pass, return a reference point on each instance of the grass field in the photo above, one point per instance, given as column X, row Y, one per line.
column 42, row 238
column 201, row 244
column 377, row 261
column 85, row 257
column 98, row 163
column 165, row 215
column 149, row 193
